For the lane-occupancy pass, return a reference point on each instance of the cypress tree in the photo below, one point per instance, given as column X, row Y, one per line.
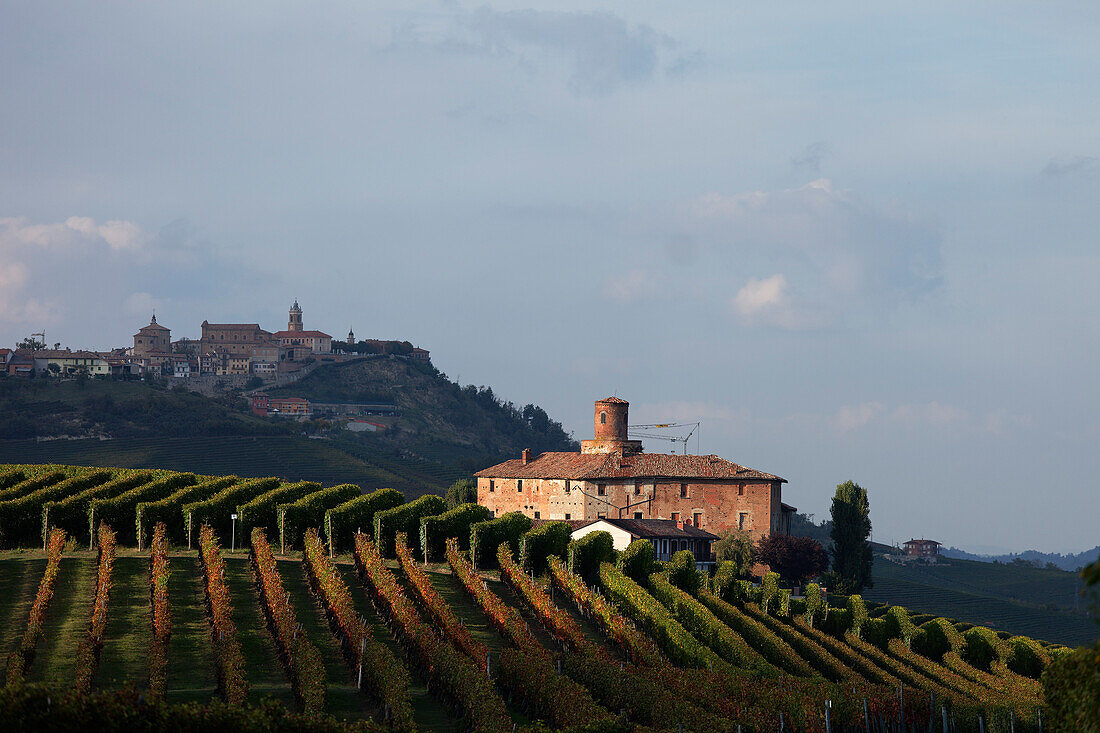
column 851, row 549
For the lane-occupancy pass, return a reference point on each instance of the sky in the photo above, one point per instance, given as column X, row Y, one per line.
column 856, row 241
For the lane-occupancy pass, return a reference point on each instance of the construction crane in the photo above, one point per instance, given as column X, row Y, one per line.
column 639, row 432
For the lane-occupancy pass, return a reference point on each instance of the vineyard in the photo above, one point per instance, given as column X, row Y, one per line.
column 263, row 604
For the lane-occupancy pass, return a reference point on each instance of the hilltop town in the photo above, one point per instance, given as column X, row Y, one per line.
column 240, row 350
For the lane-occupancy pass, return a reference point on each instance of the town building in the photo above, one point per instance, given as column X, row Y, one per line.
column 666, row 536
column 922, row 548
column 66, row 362
column 301, row 341
column 232, row 338
column 613, row 478
column 152, row 339
column 21, row 363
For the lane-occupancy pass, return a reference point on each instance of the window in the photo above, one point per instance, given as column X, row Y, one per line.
column 742, row 520
column 492, row 485
column 637, row 515
column 567, row 486
column 601, row 515
column 740, row 489
column 538, row 515
column 676, row 516
column 603, row 418
column 519, row 485
column 637, row 489
column 601, row 490
column 697, row 520
column 683, row 491
column 567, row 516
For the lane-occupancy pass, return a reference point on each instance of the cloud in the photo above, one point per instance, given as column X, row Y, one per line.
column 926, row 415
column 840, row 254
column 810, row 158
column 852, row 417
column 1081, row 165
column 76, row 230
column 630, row 286
column 144, row 304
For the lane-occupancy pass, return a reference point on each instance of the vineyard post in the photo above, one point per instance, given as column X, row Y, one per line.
column 866, row 717
column 828, row 721
column 1012, row 721
column 943, row 708
column 780, row 723
column 981, row 724
column 1039, row 712
column 931, row 709
column 901, row 710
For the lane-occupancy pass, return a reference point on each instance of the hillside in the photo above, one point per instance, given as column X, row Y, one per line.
column 439, row 420
column 1019, row 599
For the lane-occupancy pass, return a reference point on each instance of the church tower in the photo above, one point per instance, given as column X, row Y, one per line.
column 295, row 322
column 351, row 336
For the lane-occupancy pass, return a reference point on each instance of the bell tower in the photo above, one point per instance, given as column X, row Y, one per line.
column 610, row 427
column 295, row 322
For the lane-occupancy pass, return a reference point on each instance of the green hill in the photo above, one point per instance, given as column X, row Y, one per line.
column 1019, row 599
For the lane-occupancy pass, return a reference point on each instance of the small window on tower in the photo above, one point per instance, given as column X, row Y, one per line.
column 601, row 490
column 697, row 520
column 519, row 485
column 676, row 516
column 538, row 515
column 492, row 485
column 683, row 491
column 742, row 520
column 567, row 487
column 567, row 515
column 740, row 489
column 637, row 515
column 603, row 418
column 637, row 488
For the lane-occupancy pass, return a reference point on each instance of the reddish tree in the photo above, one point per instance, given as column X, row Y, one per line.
column 796, row 559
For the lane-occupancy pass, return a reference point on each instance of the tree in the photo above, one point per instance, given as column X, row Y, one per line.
column 796, row 559
column 54, row 368
column 735, row 545
column 852, row 559
column 682, row 572
column 31, row 343
column 463, row 491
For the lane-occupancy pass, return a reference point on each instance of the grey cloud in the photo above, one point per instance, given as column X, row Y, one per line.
column 1086, row 165
column 810, row 158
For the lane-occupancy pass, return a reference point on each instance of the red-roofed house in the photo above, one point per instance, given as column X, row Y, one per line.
column 612, row 477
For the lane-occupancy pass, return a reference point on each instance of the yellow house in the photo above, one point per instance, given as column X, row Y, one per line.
column 70, row 362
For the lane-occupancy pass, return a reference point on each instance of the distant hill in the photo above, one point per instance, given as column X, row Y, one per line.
column 1033, row 557
column 443, row 433
column 1020, row 599
column 439, row 420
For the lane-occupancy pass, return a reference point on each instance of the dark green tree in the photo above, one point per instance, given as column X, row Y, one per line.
column 463, row 491
column 852, row 559
column 735, row 545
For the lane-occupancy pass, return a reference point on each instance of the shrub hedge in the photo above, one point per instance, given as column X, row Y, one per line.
column 404, row 518
column 769, row 593
column 760, row 638
column 216, row 511
column 814, row 606
column 21, row 517
column 309, row 511
column 228, row 657
column 436, row 530
column 20, row 659
column 587, row 554
column 1072, row 689
column 485, row 537
column 119, row 510
column 71, row 512
column 10, row 477
column 87, row 652
column 637, row 561
column 724, row 582
column 356, row 515
column 260, row 511
column 982, row 648
column 539, row 544
column 816, row 655
column 149, row 513
column 32, row 484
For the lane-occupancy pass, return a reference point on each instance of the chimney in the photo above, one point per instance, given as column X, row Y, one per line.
column 526, row 456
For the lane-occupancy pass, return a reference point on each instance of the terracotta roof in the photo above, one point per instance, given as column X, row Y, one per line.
column 234, row 326
column 591, row 466
column 154, row 326
column 923, row 542
column 787, row 508
column 663, row 528
column 614, row 401
column 301, row 334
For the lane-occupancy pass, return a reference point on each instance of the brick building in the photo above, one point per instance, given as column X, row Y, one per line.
column 922, row 548
column 612, row 477
column 232, row 338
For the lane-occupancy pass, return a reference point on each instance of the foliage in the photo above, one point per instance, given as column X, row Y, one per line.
column 586, row 554
column 485, row 537
column 70, row 513
column 558, row 622
column 342, row 521
column 440, row 611
column 808, row 649
column 120, row 510
column 683, row 574
column 553, row 697
column 450, row 672
column 38, row 707
column 463, row 491
column 614, row 625
column 637, row 561
column 301, row 658
column 705, row 626
column 161, row 511
column 857, row 611
column 1071, row 685
column 21, row 517
column 162, row 615
column 11, row 476
column 404, row 518
column 228, row 657
column 455, row 522
column 982, row 648
column 260, row 511
column 852, row 558
column 724, row 582
column 217, row 511
column 759, row 638
column 796, row 559
column 769, row 592
column 26, row 486
column 539, row 544
column 815, row 604
column 384, row 676
column 294, row 518
column 87, row 653
column 735, row 545
column 506, row 619
column 20, row 659
column 677, row 643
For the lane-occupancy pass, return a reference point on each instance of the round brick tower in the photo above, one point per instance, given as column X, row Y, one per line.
column 610, row 421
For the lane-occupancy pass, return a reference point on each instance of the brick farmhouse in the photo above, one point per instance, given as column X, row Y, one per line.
column 612, row 477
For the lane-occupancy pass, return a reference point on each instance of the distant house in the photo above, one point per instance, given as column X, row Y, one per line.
column 289, row 406
column 420, row 354
column 181, row 366
column 70, row 362
column 666, row 536
column 5, row 357
column 922, row 548
column 21, row 363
